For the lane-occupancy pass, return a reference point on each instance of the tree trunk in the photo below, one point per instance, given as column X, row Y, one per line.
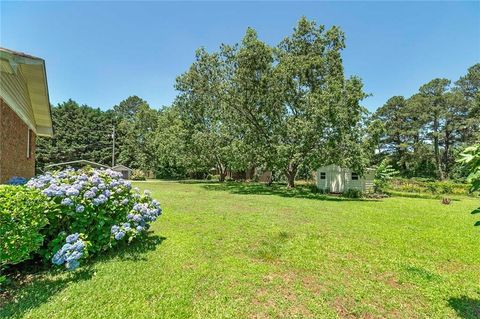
column 446, row 155
column 221, row 179
column 291, row 172
column 438, row 161
column 222, row 171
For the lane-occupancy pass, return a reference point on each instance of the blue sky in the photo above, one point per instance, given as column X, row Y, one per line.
column 99, row 53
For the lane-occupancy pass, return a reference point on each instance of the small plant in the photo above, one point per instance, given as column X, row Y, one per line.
column 138, row 175
column 383, row 175
column 446, row 201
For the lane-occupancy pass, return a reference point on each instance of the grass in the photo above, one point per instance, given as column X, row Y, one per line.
column 249, row 251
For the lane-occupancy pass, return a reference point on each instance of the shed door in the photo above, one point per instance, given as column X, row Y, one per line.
column 337, row 181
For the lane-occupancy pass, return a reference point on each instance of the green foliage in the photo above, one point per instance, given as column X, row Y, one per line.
column 383, row 174
column 81, row 132
column 48, row 215
column 419, row 185
column 99, row 200
column 138, row 175
column 23, row 215
column 424, row 134
column 470, row 158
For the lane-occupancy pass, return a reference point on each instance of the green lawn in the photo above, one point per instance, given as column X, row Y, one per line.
column 249, row 251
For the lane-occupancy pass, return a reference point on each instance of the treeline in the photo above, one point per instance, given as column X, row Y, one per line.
column 287, row 108
column 422, row 135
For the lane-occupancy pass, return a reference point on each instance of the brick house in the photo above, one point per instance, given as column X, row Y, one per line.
column 24, row 112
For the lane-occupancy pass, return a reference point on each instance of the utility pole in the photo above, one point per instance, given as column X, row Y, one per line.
column 113, row 148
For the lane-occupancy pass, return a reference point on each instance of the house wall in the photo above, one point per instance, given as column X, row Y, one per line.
column 14, row 141
column 14, row 92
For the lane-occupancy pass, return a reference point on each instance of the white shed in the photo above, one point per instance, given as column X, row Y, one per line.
column 335, row 179
column 126, row 172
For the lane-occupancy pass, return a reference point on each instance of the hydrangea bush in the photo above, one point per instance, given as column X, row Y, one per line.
column 97, row 207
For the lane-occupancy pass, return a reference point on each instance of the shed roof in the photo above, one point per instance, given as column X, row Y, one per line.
column 32, row 70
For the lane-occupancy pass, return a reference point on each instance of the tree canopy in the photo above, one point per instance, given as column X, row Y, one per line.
column 287, row 108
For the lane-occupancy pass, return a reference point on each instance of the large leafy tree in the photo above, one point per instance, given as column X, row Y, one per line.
column 202, row 107
column 296, row 101
column 135, row 123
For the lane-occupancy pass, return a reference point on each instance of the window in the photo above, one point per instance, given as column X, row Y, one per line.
column 354, row 177
column 322, row 175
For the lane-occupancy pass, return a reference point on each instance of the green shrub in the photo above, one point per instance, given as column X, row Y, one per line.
column 383, row 175
column 417, row 185
column 69, row 215
column 353, row 193
column 91, row 202
column 23, row 215
column 138, row 175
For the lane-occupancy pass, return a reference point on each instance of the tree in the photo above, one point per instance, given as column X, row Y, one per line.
column 299, row 107
column 202, row 108
column 171, row 136
column 81, row 133
column 127, row 108
column 469, row 87
column 435, row 107
column 396, row 137
column 135, row 123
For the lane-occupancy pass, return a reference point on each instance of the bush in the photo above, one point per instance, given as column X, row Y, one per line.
column 96, row 206
column 353, row 193
column 416, row 185
column 138, row 175
column 383, row 174
column 23, row 214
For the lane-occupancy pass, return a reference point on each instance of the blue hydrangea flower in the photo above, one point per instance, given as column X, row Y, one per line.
column 67, row 201
column 72, row 238
column 80, row 208
column 115, row 229
column 119, row 235
column 72, row 191
column 89, row 194
column 70, row 253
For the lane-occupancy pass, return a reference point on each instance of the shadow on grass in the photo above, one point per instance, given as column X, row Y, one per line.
column 34, row 286
column 275, row 189
column 465, row 307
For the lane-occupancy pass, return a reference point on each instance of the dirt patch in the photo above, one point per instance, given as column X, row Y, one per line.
column 278, row 296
